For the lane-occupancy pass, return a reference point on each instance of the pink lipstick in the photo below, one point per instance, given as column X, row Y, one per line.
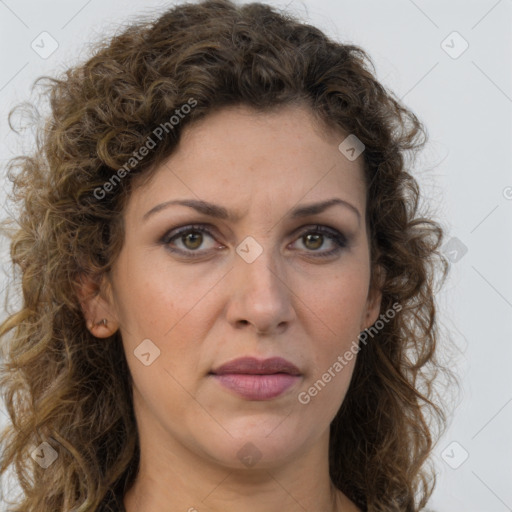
column 255, row 379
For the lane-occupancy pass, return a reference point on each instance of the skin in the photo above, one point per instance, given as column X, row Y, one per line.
column 202, row 313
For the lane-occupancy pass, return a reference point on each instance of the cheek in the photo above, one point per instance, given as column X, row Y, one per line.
column 340, row 300
column 337, row 310
column 335, row 347
column 172, row 310
column 154, row 297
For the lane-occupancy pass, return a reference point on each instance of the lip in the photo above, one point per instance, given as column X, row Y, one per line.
column 254, row 366
column 255, row 379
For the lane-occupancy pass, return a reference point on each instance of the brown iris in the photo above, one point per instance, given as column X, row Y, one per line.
column 195, row 237
column 316, row 239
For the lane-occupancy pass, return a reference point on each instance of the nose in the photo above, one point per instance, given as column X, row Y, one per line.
column 261, row 297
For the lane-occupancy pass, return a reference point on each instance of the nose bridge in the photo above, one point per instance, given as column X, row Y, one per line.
column 258, row 265
column 261, row 296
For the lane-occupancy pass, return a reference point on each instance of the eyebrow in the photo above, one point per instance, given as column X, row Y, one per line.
column 214, row 210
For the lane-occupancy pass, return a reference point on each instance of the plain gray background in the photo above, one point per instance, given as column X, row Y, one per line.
column 464, row 97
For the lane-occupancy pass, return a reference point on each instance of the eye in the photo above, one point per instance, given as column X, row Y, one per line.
column 314, row 239
column 191, row 239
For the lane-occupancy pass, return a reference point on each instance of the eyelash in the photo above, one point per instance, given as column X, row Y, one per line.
column 338, row 238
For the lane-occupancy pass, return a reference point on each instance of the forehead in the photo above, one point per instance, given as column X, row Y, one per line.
column 238, row 156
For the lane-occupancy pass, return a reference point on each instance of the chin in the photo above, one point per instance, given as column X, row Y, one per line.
column 256, row 443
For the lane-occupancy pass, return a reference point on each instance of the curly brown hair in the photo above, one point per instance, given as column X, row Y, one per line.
column 63, row 386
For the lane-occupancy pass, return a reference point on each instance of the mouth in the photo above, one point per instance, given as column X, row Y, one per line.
column 253, row 366
column 254, row 379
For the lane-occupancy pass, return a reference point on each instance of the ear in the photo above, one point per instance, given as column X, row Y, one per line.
column 97, row 304
column 374, row 300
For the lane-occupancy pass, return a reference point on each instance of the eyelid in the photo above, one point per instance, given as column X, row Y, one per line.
column 207, row 229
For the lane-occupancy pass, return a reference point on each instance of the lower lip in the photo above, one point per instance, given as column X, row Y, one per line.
column 257, row 387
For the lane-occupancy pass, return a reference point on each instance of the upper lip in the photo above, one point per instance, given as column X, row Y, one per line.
column 253, row 366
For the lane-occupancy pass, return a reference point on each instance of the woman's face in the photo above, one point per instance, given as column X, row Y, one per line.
column 252, row 275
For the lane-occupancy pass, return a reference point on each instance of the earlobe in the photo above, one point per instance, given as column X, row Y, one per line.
column 373, row 309
column 97, row 306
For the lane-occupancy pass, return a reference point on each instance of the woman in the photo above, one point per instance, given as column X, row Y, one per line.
column 228, row 290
